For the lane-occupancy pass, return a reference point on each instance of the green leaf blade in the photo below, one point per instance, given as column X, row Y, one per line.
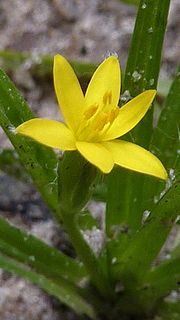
column 169, row 311
column 160, row 282
column 147, row 242
column 32, row 251
column 39, row 161
column 141, row 74
column 10, row 164
column 165, row 144
column 67, row 293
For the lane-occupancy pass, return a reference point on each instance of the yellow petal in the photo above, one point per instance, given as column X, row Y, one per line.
column 105, row 83
column 96, row 154
column 131, row 156
column 49, row 132
column 129, row 115
column 68, row 91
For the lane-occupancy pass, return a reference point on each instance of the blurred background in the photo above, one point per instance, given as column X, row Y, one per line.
column 81, row 30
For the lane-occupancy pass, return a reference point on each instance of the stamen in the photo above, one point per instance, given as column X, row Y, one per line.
column 90, row 112
column 113, row 114
column 100, row 122
column 97, row 121
column 107, row 98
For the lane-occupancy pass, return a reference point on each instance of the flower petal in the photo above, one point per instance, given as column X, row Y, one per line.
column 129, row 115
column 96, row 154
column 49, row 132
column 106, row 80
column 134, row 157
column 68, row 91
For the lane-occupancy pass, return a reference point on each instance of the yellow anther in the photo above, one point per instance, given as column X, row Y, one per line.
column 90, row 112
column 101, row 121
column 107, row 98
column 113, row 114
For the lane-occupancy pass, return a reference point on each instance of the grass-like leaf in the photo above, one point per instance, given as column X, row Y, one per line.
column 26, row 248
column 160, row 281
column 125, row 188
column 39, row 161
column 10, row 164
column 64, row 291
column 168, row 311
column 147, row 242
column 166, row 143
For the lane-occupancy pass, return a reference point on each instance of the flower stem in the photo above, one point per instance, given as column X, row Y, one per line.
column 86, row 254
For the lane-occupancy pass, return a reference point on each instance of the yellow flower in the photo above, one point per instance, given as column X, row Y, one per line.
column 94, row 122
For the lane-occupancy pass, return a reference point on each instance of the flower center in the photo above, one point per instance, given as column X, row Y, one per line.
column 97, row 119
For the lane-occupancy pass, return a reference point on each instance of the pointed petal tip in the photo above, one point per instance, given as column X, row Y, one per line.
column 58, row 58
column 150, row 94
column 17, row 129
column 106, row 78
column 161, row 172
column 60, row 61
column 106, row 171
column 133, row 157
column 112, row 59
column 130, row 115
column 68, row 92
column 164, row 175
column 153, row 92
column 20, row 128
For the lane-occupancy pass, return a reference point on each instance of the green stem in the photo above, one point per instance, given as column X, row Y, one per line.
column 86, row 254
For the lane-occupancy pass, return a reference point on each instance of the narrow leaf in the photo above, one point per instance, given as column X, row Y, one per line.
column 169, row 311
column 147, row 242
column 125, row 188
column 10, row 164
column 27, row 249
column 66, row 292
column 39, row 161
column 161, row 281
column 166, row 143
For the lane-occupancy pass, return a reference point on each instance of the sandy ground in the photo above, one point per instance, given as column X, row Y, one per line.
column 78, row 29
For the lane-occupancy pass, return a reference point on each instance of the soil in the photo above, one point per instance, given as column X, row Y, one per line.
column 83, row 30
